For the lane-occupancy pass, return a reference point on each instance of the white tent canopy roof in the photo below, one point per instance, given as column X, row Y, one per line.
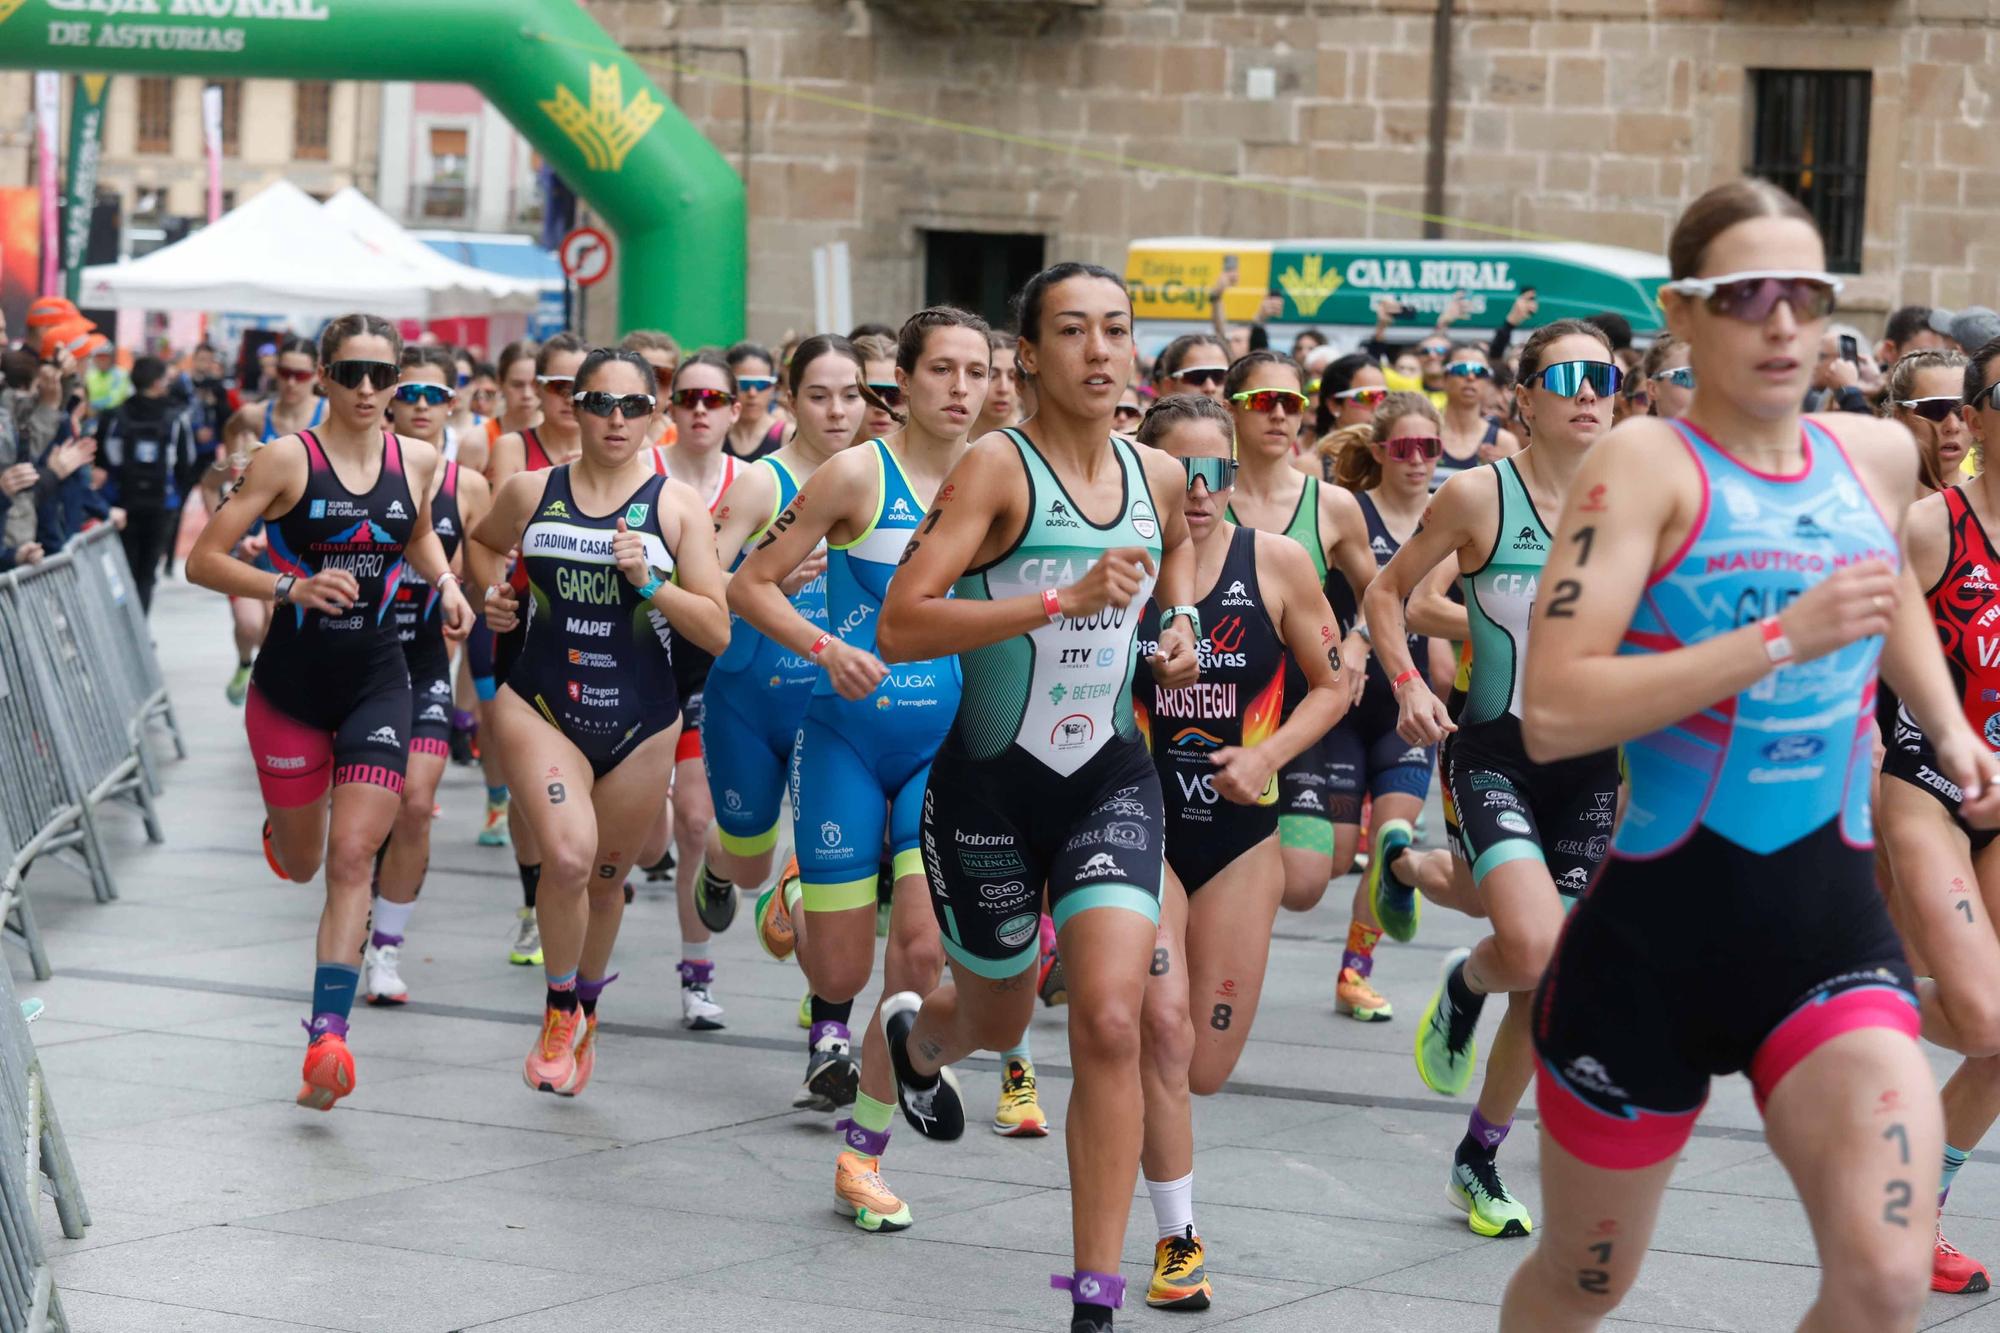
column 281, row 253
column 457, row 289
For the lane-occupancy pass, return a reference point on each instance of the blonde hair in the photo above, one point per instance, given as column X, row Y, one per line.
column 1355, row 466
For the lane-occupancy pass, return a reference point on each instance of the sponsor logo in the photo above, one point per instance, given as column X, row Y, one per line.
column 555, row 509
column 829, row 834
column 1590, row 848
column 1586, row 1072
column 732, row 799
column 1059, row 516
column 1806, row 529
column 432, row 713
column 1992, row 730
column 1124, row 805
column 635, row 513
column 1142, row 520
column 444, row 527
column 574, row 690
column 383, row 736
column 995, row 892
column 1073, row 731
column 1527, row 540
column 992, row 863
column 900, row 509
column 965, row 839
column 440, row 686
column 1117, row 833
column 1105, row 656
column 1979, row 578
column 1486, row 780
column 1196, row 786
column 1057, row 693
column 1237, row 595
column 1310, row 283
column 591, row 696
column 396, row 510
column 1380, row 546
column 604, row 661
column 1512, row 820
column 1018, row 930
column 284, row 762
column 589, row 629
column 1793, row 749
column 317, row 509
column 606, row 130
column 1100, row 864
column 1073, row 657
column 1805, row 773
column 1574, row 881
column 1502, row 799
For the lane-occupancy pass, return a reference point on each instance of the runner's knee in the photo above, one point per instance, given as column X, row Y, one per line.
column 1103, row 1035
column 1169, row 1036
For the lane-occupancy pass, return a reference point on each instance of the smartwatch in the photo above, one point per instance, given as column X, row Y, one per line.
column 651, row 586
column 1172, row 613
column 282, row 592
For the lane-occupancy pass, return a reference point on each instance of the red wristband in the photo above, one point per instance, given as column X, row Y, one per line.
column 1052, row 604
column 819, row 646
column 1777, row 647
column 1399, row 682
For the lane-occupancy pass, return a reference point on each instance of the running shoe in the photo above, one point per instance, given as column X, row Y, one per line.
column 1180, row 1280
column 1397, row 906
column 1019, row 1115
column 774, row 924
column 860, row 1193
column 494, row 834
column 936, row 1112
column 1355, row 997
column 715, row 906
column 1954, row 1271
column 527, row 950
column 1446, row 1048
column 832, row 1076
column 586, row 1054
column 662, row 869
column 1489, row 1209
column 328, row 1073
column 384, row 982
column 882, row 917
column 699, row 1011
column 238, row 688
column 1050, row 983
column 551, row 1065
column 806, row 1010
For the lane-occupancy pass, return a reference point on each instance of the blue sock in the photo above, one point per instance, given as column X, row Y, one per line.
column 495, row 795
column 1019, row 1051
column 334, row 985
column 1954, row 1158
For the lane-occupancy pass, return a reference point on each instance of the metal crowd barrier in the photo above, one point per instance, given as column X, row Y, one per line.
column 107, row 585
column 33, row 1160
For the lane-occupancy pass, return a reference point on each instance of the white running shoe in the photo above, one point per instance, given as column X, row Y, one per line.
column 527, row 948
column 384, row 982
column 699, row 1010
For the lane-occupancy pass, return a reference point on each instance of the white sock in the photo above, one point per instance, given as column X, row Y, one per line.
column 393, row 918
column 1173, row 1204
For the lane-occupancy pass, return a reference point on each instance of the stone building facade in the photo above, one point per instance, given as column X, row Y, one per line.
column 888, row 124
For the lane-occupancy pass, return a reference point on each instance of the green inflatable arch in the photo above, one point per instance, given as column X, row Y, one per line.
column 677, row 207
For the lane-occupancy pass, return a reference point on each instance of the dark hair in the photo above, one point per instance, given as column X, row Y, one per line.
column 18, row 367
column 293, row 345
column 561, row 342
column 484, row 370
column 1716, row 212
column 1905, row 323
column 1538, row 342
column 433, row 354
column 1178, row 409
column 815, row 347
column 744, row 351
column 1356, row 467
column 1239, row 370
column 521, row 349
column 146, row 372
column 711, row 358
column 1174, row 355
column 1028, row 305
column 1336, row 376
column 349, row 326
column 916, row 331
column 600, row 357
column 1319, row 341
column 870, row 329
column 1616, row 327
column 1976, row 382
column 1001, row 340
column 649, row 340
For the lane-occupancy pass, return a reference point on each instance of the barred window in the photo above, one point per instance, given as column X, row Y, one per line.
column 312, row 114
column 1809, row 137
column 156, row 116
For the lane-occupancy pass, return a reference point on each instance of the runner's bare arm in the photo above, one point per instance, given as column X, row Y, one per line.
column 1177, row 662
column 1306, row 624
column 272, row 484
column 692, row 600
column 1431, row 611
column 499, row 532
column 828, row 503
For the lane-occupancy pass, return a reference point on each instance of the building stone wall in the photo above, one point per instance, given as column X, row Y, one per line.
column 1592, row 120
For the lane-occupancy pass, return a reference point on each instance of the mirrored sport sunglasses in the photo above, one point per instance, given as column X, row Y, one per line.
column 1434, row 349
column 287, row 373
column 1218, row 474
column 1365, row 397
column 351, row 374
column 1567, row 378
column 1753, row 294
column 432, row 395
column 712, row 399
column 1202, row 376
column 600, row 403
column 1270, row 400
column 1681, row 377
column 1987, row 397
column 754, row 383
column 1413, row 448
column 562, row 386
column 891, row 393
column 1930, row 409
column 1469, row 370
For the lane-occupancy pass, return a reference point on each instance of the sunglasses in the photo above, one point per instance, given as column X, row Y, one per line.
column 712, row 399
column 1987, row 397
column 1567, row 378
column 1469, row 370
column 431, row 395
column 1413, row 448
column 295, row 376
column 1202, row 376
column 1751, row 296
column 754, row 383
column 1434, row 349
column 1126, row 412
column 891, row 394
column 1218, row 474
column 464, row 380
column 1681, row 377
column 601, row 403
column 1270, row 400
column 1365, row 397
column 562, row 386
column 1930, row 409
column 478, row 394
column 352, row 374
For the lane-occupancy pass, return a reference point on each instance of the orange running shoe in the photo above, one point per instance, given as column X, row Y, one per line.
column 1954, row 1271
column 860, row 1193
column 271, row 857
column 586, row 1054
column 551, row 1066
column 329, row 1072
column 774, row 919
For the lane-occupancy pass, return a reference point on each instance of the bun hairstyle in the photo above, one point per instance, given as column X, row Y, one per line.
column 521, row 349
column 353, row 326
column 1178, row 409
column 555, row 346
column 1355, row 466
column 600, row 357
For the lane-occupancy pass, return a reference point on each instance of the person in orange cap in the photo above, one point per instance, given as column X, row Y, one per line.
column 48, row 311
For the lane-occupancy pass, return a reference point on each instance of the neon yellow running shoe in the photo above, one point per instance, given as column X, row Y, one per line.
column 1019, row 1115
column 806, row 1009
column 1180, row 1278
column 1446, row 1048
column 1489, row 1209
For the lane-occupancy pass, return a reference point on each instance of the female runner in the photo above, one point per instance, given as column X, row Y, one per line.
column 1004, row 392
column 1922, row 392
column 1716, row 602
column 1218, row 746
column 1468, row 432
column 870, row 731
column 619, row 563
column 329, row 703
column 757, row 428
column 458, row 500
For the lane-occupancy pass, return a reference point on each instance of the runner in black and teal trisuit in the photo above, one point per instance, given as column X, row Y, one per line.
column 1034, row 567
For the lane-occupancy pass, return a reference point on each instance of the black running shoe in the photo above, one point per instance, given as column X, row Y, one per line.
column 933, row 1107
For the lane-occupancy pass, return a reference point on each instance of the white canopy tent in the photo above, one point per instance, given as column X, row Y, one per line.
column 456, row 289
column 281, row 253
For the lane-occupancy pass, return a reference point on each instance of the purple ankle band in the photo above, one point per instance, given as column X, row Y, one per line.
column 586, row 989
column 867, row 1142
column 322, row 1025
column 699, row 974
column 825, row 1026
column 379, row 939
column 1087, row 1288
column 1362, row 963
column 462, row 720
column 1485, row 1131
